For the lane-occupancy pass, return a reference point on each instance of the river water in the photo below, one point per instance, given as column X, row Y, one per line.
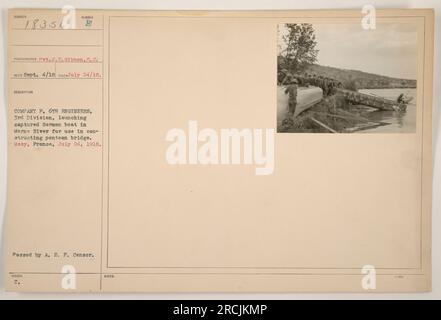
column 399, row 122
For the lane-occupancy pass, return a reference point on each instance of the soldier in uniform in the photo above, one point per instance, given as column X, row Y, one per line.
column 291, row 90
column 310, row 80
column 332, row 90
column 300, row 80
column 305, row 79
column 326, row 86
column 320, row 83
column 287, row 78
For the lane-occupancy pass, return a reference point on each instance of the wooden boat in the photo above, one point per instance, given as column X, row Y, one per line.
column 374, row 101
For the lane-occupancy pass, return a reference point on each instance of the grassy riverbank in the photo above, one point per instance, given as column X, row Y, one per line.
column 333, row 114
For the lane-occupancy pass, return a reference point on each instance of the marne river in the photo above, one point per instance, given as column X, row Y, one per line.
column 400, row 122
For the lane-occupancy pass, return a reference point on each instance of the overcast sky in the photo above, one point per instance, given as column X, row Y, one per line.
column 390, row 50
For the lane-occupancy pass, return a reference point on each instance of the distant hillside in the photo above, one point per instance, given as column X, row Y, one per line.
column 361, row 79
column 355, row 79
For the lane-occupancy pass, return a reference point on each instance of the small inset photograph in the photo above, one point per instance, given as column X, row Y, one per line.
column 341, row 78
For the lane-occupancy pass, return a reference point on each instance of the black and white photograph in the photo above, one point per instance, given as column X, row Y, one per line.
column 341, row 78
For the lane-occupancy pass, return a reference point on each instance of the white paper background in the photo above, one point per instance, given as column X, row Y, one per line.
column 232, row 5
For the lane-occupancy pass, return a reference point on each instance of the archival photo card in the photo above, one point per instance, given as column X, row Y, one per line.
column 149, row 151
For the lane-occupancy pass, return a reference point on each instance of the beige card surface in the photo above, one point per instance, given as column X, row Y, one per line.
column 260, row 151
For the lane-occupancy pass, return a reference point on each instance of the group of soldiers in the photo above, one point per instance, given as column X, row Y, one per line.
column 329, row 86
